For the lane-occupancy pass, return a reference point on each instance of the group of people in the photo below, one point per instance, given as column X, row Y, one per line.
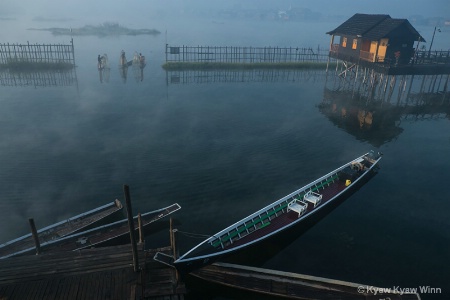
column 138, row 59
column 102, row 60
column 138, row 63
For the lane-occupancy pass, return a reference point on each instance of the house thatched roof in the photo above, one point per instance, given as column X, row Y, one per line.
column 375, row 27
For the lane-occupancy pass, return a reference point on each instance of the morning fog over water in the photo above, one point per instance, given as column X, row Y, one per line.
column 224, row 144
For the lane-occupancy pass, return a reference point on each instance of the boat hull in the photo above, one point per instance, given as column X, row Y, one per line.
column 82, row 222
column 276, row 220
column 111, row 234
column 268, row 248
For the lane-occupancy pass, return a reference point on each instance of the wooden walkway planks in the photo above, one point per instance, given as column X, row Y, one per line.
column 103, row 273
column 93, row 274
column 161, row 281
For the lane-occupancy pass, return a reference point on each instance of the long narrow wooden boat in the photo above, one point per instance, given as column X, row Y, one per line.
column 276, row 284
column 282, row 214
column 110, row 234
column 81, row 222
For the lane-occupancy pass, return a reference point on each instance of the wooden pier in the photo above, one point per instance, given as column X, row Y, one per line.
column 245, row 54
column 98, row 273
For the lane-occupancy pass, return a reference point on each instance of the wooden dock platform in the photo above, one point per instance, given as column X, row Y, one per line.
column 100, row 273
column 291, row 285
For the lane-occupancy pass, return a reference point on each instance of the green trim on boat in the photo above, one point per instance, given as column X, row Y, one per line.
column 268, row 214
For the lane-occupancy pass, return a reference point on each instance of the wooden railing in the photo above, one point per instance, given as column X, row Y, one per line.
column 233, row 54
column 37, row 53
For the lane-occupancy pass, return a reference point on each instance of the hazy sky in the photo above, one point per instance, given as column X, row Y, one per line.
column 105, row 8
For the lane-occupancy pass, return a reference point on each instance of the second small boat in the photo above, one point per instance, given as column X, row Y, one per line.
column 78, row 223
column 107, row 234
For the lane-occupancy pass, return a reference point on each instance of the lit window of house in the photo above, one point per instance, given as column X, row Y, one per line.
column 355, row 44
column 344, row 42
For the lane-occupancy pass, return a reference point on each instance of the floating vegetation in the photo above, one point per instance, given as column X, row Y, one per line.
column 242, row 66
column 105, row 29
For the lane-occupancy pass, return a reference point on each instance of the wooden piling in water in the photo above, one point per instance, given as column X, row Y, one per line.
column 126, row 190
column 172, row 240
column 141, row 229
column 173, row 247
column 35, row 236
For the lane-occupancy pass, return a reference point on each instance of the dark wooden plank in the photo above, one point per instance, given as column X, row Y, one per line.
column 125, row 288
column 75, row 268
column 33, row 289
column 8, row 292
column 105, row 289
column 82, row 292
column 99, row 285
column 21, row 291
column 44, row 285
column 60, row 287
column 112, row 284
column 2, row 291
column 91, row 292
column 93, row 274
column 52, row 292
column 117, row 284
column 69, row 282
column 74, row 288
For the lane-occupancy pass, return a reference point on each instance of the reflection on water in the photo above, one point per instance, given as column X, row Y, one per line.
column 38, row 78
column 235, row 76
column 123, row 71
column 367, row 121
column 229, row 147
column 372, row 109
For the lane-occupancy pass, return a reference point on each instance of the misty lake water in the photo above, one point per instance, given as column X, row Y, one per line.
column 224, row 148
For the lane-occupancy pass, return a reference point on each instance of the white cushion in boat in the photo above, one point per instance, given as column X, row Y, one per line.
column 312, row 197
column 297, row 206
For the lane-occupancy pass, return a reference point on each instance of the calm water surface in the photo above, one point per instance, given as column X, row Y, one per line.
column 223, row 150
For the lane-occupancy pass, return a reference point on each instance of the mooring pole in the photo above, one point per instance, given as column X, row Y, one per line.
column 172, row 239
column 173, row 246
column 126, row 191
column 35, row 236
column 141, row 229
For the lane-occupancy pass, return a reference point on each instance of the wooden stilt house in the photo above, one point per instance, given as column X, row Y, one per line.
column 374, row 39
